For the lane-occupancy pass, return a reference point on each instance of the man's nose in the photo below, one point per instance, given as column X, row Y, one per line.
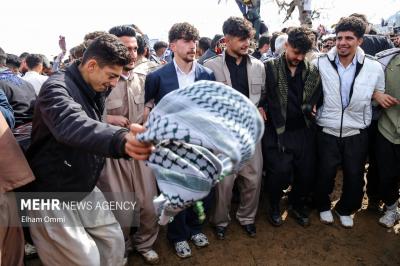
column 300, row 57
column 114, row 82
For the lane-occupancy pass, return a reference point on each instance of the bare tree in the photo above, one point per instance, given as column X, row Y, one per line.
column 304, row 7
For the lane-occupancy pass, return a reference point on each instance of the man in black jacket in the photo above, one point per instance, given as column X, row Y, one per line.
column 291, row 93
column 69, row 143
column 20, row 94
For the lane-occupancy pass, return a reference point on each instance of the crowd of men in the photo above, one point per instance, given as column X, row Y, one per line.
column 325, row 102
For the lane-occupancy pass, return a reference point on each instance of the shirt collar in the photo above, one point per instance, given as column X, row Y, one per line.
column 178, row 70
column 353, row 62
column 233, row 59
column 77, row 76
column 125, row 77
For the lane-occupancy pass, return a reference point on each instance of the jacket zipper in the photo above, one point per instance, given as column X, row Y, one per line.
column 341, row 101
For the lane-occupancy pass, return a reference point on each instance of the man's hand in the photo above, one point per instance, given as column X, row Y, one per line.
column 136, row 28
column 385, row 100
column 314, row 111
column 146, row 113
column 134, row 148
column 262, row 113
column 118, row 120
column 62, row 44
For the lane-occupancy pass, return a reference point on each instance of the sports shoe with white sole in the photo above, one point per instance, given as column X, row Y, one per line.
column 200, row 240
column 345, row 220
column 390, row 217
column 326, row 217
column 182, row 249
column 150, row 256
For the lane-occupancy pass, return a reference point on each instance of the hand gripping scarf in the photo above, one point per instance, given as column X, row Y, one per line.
column 201, row 134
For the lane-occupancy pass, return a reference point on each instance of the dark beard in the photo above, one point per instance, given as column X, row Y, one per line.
column 127, row 69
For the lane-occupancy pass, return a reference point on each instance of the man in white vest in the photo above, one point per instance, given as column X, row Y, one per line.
column 350, row 80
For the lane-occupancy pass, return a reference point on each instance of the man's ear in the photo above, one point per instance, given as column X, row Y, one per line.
column 286, row 45
column 360, row 41
column 91, row 65
column 172, row 46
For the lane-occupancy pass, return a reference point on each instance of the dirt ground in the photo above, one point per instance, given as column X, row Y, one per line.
column 367, row 243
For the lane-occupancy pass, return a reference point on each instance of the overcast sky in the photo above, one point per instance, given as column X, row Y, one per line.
column 34, row 26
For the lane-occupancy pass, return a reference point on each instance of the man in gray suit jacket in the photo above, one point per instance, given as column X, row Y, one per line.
column 246, row 74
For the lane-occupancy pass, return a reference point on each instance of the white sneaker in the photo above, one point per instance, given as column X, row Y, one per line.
column 182, row 249
column 30, row 250
column 345, row 220
column 151, row 257
column 326, row 217
column 390, row 217
column 200, row 240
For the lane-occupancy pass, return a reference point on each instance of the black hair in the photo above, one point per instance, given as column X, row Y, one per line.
column 215, row 40
column 237, row 27
column 33, row 60
column 141, row 44
column 23, row 55
column 160, row 44
column 300, row 38
column 107, row 50
column 273, row 39
column 93, row 35
column 184, row 31
column 123, row 30
column 353, row 24
column 46, row 62
column 263, row 40
column 77, row 51
column 13, row 60
column 360, row 16
column 204, row 43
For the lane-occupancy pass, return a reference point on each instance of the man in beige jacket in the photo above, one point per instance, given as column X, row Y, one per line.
column 14, row 173
column 246, row 74
column 131, row 179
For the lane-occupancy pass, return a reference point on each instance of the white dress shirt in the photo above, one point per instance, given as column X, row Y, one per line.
column 35, row 79
column 184, row 79
column 346, row 78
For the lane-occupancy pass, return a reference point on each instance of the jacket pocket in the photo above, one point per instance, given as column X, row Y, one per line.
column 114, row 104
column 256, row 85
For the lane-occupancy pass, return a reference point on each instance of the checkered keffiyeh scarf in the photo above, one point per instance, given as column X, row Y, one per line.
column 201, row 133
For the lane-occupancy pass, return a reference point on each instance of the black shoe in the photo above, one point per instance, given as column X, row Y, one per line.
column 301, row 216
column 220, row 232
column 275, row 215
column 250, row 229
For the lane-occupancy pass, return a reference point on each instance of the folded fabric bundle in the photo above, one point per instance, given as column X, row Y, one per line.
column 201, row 133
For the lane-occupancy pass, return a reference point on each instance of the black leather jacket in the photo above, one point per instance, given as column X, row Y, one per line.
column 69, row 141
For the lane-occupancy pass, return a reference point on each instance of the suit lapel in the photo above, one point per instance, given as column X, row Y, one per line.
column 197, row 73
column 171, row 74
column 225, row 69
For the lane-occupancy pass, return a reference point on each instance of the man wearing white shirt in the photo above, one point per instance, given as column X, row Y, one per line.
column 350, row 80
column 35, row 67
column 179, row 73
column 185, row 79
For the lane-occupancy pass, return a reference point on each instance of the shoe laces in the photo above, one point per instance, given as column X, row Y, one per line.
column 391, row 215
column 182, row 245
column 199, row 237
column 151, row 254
